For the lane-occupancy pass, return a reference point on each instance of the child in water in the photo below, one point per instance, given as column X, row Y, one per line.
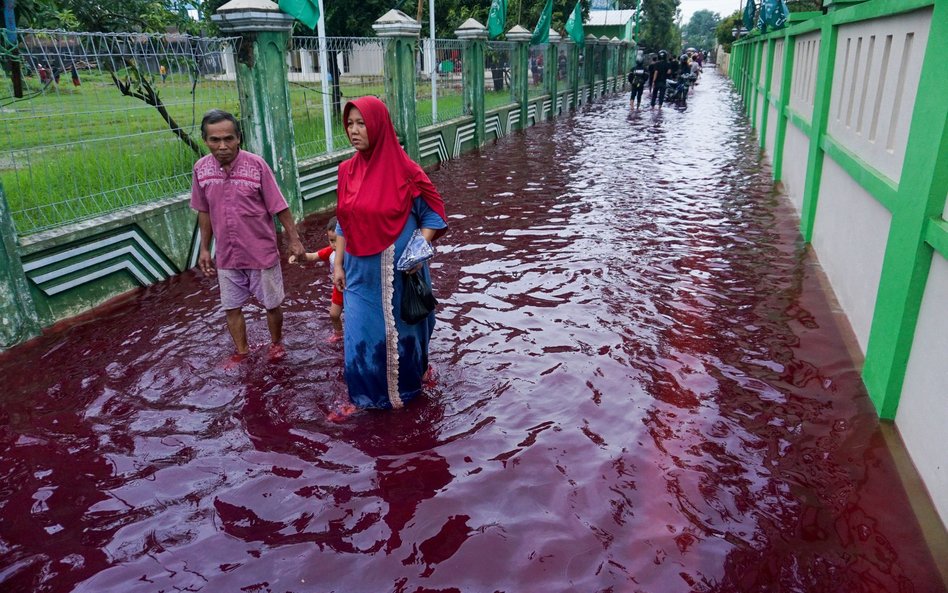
column 328, row 254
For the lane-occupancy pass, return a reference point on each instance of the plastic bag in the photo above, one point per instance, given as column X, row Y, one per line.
column 418, row 251
column 417, row 300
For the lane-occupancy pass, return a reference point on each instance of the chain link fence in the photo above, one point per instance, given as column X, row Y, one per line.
column 439, row 88
column 538, row 69
column 498, row 58
column 355, row 68
column 94, row 123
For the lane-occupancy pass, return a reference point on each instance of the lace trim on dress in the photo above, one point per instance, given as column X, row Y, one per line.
column 391, row 330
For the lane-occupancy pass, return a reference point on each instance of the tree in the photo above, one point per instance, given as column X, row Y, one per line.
column 804, row 5
column 105, row 16
column 658, row 27
column 724, row 35
column 700, row 32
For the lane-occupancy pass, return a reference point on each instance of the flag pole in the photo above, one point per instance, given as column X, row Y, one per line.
column 328, row 115
column 432, row 57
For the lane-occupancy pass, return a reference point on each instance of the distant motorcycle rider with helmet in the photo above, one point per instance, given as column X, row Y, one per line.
column 659, row 77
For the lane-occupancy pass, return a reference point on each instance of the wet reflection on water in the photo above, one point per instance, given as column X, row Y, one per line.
column 641, row 388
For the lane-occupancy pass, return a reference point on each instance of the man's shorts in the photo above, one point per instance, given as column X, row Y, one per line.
column 237, row 286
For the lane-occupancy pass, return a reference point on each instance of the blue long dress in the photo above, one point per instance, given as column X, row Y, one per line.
column 385, row 357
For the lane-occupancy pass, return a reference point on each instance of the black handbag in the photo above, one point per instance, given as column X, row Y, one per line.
column 417, row 300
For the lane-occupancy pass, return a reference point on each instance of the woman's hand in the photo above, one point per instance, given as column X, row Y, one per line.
column 339, row 278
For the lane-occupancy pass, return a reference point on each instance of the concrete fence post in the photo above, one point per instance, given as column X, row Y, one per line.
column 608, row 62
column 552, row 69
column 474, row 37
column 262, row 84
column 616, row 70
column 520, row 68
column 572, row 71
column 400, row 33
column 589, row 66
column 18, row 318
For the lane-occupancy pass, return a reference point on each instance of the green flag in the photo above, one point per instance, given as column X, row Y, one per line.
column 763, row 15
column 542, row 32
column 574, row 25
column 305, row 11
column 497, row 18
column 780, row 15
column 748, row 18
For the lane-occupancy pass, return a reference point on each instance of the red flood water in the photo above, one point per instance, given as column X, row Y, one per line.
column 641, row 388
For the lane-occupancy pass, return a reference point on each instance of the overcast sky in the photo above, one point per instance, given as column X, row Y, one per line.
column 722, row 7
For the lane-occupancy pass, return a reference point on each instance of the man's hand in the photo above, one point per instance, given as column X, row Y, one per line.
column 296, row 249
column 339, row 278
column 206, row 263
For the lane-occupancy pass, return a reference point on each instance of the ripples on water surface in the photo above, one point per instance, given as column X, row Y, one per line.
column 641, row 389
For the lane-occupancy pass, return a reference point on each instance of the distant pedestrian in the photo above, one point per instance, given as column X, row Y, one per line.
column 163, row 71
column 638, row 78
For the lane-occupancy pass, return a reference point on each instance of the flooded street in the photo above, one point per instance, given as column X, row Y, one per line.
column 641, row 387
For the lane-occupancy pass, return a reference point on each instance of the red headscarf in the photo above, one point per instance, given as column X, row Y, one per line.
column 377, row 186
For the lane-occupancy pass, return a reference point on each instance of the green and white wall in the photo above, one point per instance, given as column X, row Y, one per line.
column 851, row 109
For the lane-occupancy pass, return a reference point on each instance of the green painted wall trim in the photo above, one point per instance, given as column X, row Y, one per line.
column 936, row 235
column 821, row 103
column 908, row 256
column 782, row 105
column 876, row 184
column 798, row 120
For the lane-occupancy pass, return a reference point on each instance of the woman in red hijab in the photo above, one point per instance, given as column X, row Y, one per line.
column 383, row 197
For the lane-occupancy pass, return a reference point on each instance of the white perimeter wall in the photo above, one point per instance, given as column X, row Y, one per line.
column 877, row 68
column 922, row 416
column 771, row 130
column 795, row 147
column 849, row 236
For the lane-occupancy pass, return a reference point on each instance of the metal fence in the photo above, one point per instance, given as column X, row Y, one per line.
column 355, row 68
column 94, row 123
column 439, row 88
column 498, row 58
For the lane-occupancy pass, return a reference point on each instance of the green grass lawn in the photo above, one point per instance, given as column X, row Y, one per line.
column 72, row 153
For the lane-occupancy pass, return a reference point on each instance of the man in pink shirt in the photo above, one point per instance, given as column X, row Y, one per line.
column 236, row 198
